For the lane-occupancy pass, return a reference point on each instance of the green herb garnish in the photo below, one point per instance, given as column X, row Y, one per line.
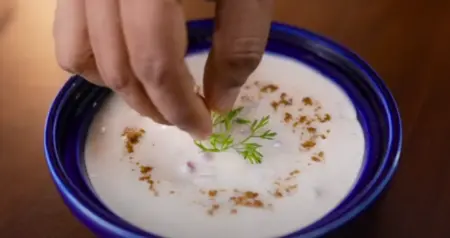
column 223, row 140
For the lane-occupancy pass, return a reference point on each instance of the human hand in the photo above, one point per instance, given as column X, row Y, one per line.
column 137, row 48
column 7, row 8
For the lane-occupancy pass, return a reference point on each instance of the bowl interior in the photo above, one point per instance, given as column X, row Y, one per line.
column 78, row 101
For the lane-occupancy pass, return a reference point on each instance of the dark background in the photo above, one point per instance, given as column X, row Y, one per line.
column 406, row 41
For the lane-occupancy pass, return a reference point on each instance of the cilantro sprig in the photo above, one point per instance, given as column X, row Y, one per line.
column 223, row 140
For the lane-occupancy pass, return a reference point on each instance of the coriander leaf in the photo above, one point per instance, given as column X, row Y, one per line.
column 222, row 141
column 242, row 121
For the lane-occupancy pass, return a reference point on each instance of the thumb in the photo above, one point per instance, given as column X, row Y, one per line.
column 239, row 41
column 224, row 75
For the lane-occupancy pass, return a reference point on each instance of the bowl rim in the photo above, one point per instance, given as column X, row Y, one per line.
column 394, row 121
column 393, row 116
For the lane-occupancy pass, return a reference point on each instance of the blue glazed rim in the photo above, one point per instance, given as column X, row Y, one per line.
column 78, row 101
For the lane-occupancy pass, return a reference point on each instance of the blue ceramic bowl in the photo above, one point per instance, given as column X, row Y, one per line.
column 76, row 104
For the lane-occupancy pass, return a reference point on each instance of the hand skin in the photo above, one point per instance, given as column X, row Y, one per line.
column 137, row 48
column 7, row 10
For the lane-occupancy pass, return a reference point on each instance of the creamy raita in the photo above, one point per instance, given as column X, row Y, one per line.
column 156, row 178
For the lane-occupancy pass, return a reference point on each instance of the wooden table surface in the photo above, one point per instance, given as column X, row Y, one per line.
column 407, row 42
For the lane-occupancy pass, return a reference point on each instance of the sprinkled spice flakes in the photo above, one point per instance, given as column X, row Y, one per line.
column 311, row 114
column 249, row 199
column 307, row 101
column 284, row 100
column 146, row 176
column 132, row 137
column 316, row 158
column 243, row 199
column 232, row 200
column 301, row 120
column 308, row 144
column 294, row 173
column 311, row 130
column 146, row 169
column 237, row 198
column 270, row 88
column 212, row 193
column 325, row 118
column 319, row 157
column 213, row 209
column 287, row 117
column 306, row 123
column 286, row 186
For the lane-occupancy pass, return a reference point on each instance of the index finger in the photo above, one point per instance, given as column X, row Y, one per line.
column 156, row 39
column 72, row 48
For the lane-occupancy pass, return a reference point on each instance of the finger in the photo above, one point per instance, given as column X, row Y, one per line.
column 72, row 48
column 239, row 40
column 156, row 38
column 103, row 20
column 91, row 73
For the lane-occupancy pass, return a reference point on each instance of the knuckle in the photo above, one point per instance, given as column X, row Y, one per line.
column 241, row 58
column 240, row 66
column 245, row 61
column 117, row 81
column 69, row 63
column 184, row 119
column 154, row 72
column 245, row 53
column 70, row 56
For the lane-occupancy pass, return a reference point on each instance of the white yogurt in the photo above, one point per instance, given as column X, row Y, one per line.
column 178, row 205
